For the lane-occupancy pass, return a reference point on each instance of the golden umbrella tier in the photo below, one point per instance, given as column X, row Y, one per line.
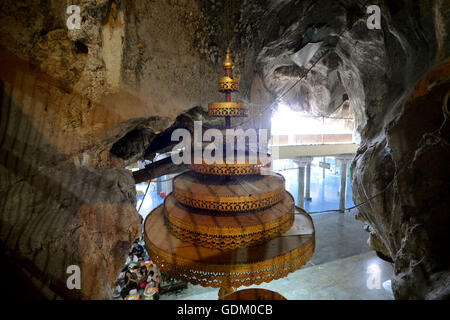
column 228, row 194
column 237, row 168
column 230, row 231
column 213, row 267
column 227, row 109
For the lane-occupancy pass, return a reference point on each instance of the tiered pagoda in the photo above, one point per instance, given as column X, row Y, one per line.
column 225, row 225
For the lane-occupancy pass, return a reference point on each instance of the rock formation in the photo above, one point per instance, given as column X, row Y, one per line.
column 77, row 106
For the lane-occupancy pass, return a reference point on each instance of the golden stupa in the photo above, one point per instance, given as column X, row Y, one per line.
column 225, row 225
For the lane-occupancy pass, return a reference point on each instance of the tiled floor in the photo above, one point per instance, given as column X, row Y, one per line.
column 344, row 279
column 338, row 236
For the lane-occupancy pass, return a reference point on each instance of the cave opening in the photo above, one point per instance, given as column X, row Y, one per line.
column 289, row 127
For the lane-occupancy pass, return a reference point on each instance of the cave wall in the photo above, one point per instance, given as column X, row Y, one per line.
column 410, row 164
column 419, row 142
column 396, row 156
column 57, row 208
column 403, row 156
column 77, row 106
column 67, row 96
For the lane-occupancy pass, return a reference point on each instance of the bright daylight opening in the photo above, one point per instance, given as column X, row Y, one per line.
column 291, row 127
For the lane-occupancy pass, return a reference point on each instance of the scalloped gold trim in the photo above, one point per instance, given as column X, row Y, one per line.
column 229, row 169
column 229, row 231
column 229, row 204
column 216, row 276
column 231, row 239
column 227, row 109
column 226, row 169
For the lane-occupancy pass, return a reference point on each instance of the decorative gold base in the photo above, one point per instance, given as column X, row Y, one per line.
column 212, row 267
column 248, row 166
column 228, row 194
column 226, row 169
column 228, row 231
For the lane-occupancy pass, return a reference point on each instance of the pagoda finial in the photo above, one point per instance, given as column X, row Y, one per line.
column 228, row 63
column 227, row 85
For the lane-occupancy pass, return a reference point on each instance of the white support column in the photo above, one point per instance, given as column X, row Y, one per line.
column 343, row 185
column 291, row 140
column 168, row 185
column 308, row 183
column 301, row 187
column 323, row 160
column 159, row 185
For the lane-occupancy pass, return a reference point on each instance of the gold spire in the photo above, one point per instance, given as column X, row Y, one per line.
column 227, row 85
column 227, row 63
